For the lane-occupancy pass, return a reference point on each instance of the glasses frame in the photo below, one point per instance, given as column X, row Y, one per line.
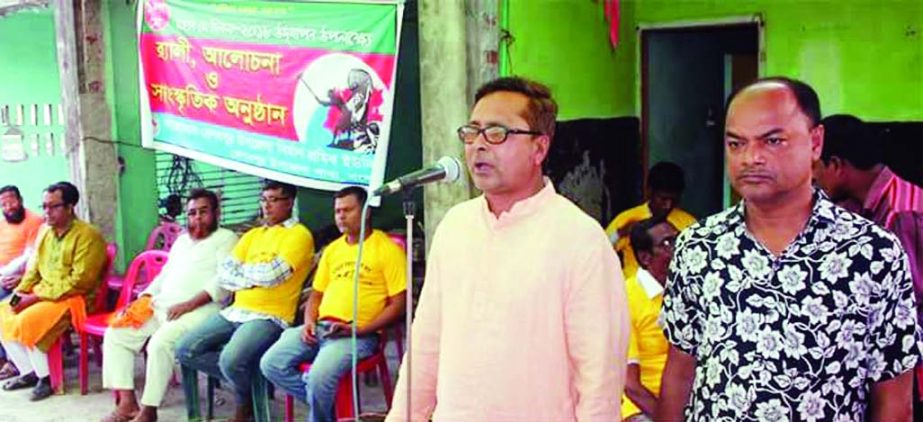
column 482, row 132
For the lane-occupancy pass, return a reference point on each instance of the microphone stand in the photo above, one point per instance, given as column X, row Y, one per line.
column 409, row 212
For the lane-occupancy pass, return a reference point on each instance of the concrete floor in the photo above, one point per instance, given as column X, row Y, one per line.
column 71, row 406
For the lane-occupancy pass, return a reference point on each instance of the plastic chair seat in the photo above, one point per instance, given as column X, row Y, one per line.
column 97, row 324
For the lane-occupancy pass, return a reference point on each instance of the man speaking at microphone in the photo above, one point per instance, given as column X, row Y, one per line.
column 523, row 315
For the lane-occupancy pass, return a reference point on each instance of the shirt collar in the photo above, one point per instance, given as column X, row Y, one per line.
column 651, row 286
column 67, row 230
column 822, row 209
column 877, row 190
column 520, row 209
column 288, row 223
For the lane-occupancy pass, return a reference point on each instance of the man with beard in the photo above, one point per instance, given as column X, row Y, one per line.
column 182, row 295
column 55, row 293
column 265, row 270
column 18, row 231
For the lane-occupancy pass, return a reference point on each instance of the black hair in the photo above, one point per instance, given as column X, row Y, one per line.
column 666, row 176
column 851, row 139
column 69, row 192
column 288, row 190
column 359, row 192
column 542, row 110
column 204, row 193
column 805, row 96
column 640, row 236
column 11, row 188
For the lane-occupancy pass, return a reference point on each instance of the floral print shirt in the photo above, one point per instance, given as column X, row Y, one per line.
column 801, row 336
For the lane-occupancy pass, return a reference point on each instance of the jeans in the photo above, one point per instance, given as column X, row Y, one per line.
column 228, row 350
column 330, row 360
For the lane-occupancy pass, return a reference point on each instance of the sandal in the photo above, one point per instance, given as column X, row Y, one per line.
column 115, row 416
column 8, row 371
column 24, row 381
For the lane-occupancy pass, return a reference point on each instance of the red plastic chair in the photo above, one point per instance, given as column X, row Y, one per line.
column 161, row 238
column 56, row 352
column 149, row 263
column 344, row 399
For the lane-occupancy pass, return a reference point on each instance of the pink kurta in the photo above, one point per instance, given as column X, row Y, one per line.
column 521, row 318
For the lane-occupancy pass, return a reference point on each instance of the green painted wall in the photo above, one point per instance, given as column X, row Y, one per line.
column 565, row 44
column 137, row 185
column 29, row 74
column 863, row 57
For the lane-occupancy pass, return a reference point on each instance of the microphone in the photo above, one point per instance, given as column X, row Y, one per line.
column 447, row 169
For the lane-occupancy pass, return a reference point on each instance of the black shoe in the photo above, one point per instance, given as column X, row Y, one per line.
column 23, row 381
column 42, row 390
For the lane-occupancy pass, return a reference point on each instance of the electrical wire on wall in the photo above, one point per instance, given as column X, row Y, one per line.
column 181, row 177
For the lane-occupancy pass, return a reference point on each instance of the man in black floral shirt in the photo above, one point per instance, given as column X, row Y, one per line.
column 785, row 307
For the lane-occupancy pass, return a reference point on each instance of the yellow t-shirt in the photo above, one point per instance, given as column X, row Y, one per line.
column 647, row 345
column 678, row 218
column 295, row 246
column 383, row 275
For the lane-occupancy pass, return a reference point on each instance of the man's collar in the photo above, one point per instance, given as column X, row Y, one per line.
column 652, row 288
column 821, row 207
column 877, row 190
column 288, row 223
column 67, row 229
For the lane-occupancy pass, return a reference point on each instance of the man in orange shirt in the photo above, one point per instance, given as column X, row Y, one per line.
column 18, row 230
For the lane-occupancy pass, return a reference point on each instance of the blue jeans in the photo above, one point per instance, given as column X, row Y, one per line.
column 330, row 360
column 228, row 350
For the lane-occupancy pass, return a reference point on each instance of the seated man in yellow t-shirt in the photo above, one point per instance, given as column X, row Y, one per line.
column 265, row 271
column 324, row 340
column 665, row 185
column 652, row 240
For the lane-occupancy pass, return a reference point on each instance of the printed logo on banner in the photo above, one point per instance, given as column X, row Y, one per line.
column 340, row 102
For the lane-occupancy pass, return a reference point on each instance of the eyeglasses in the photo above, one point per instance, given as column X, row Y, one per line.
column 272, row 199
column 494, row 134
column 49, row 207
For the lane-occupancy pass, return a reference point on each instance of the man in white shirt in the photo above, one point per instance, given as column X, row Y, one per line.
column 183, row 295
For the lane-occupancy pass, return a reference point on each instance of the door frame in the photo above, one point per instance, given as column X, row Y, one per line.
column 641, row 82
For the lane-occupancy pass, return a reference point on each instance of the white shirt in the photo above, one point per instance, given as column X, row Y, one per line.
column 191, row 268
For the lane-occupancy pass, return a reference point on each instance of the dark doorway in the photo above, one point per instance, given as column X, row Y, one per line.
column 686, row 75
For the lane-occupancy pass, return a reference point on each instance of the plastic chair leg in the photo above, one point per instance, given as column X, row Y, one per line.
column 83, row 370
column 259, row 391
column 210, row 397
column 56, row 366
column 344, row 399
column 289, row 408
column 191, row 391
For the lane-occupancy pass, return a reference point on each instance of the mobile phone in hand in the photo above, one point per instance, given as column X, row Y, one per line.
column 14, row 299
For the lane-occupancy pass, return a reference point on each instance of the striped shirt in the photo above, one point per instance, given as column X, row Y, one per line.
column 897, row 205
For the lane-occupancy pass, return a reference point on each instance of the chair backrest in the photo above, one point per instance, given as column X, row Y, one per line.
column 147, row 265
column 99, row 302
column 163, row 236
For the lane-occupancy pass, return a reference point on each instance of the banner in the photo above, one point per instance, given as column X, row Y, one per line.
column 295, row 92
